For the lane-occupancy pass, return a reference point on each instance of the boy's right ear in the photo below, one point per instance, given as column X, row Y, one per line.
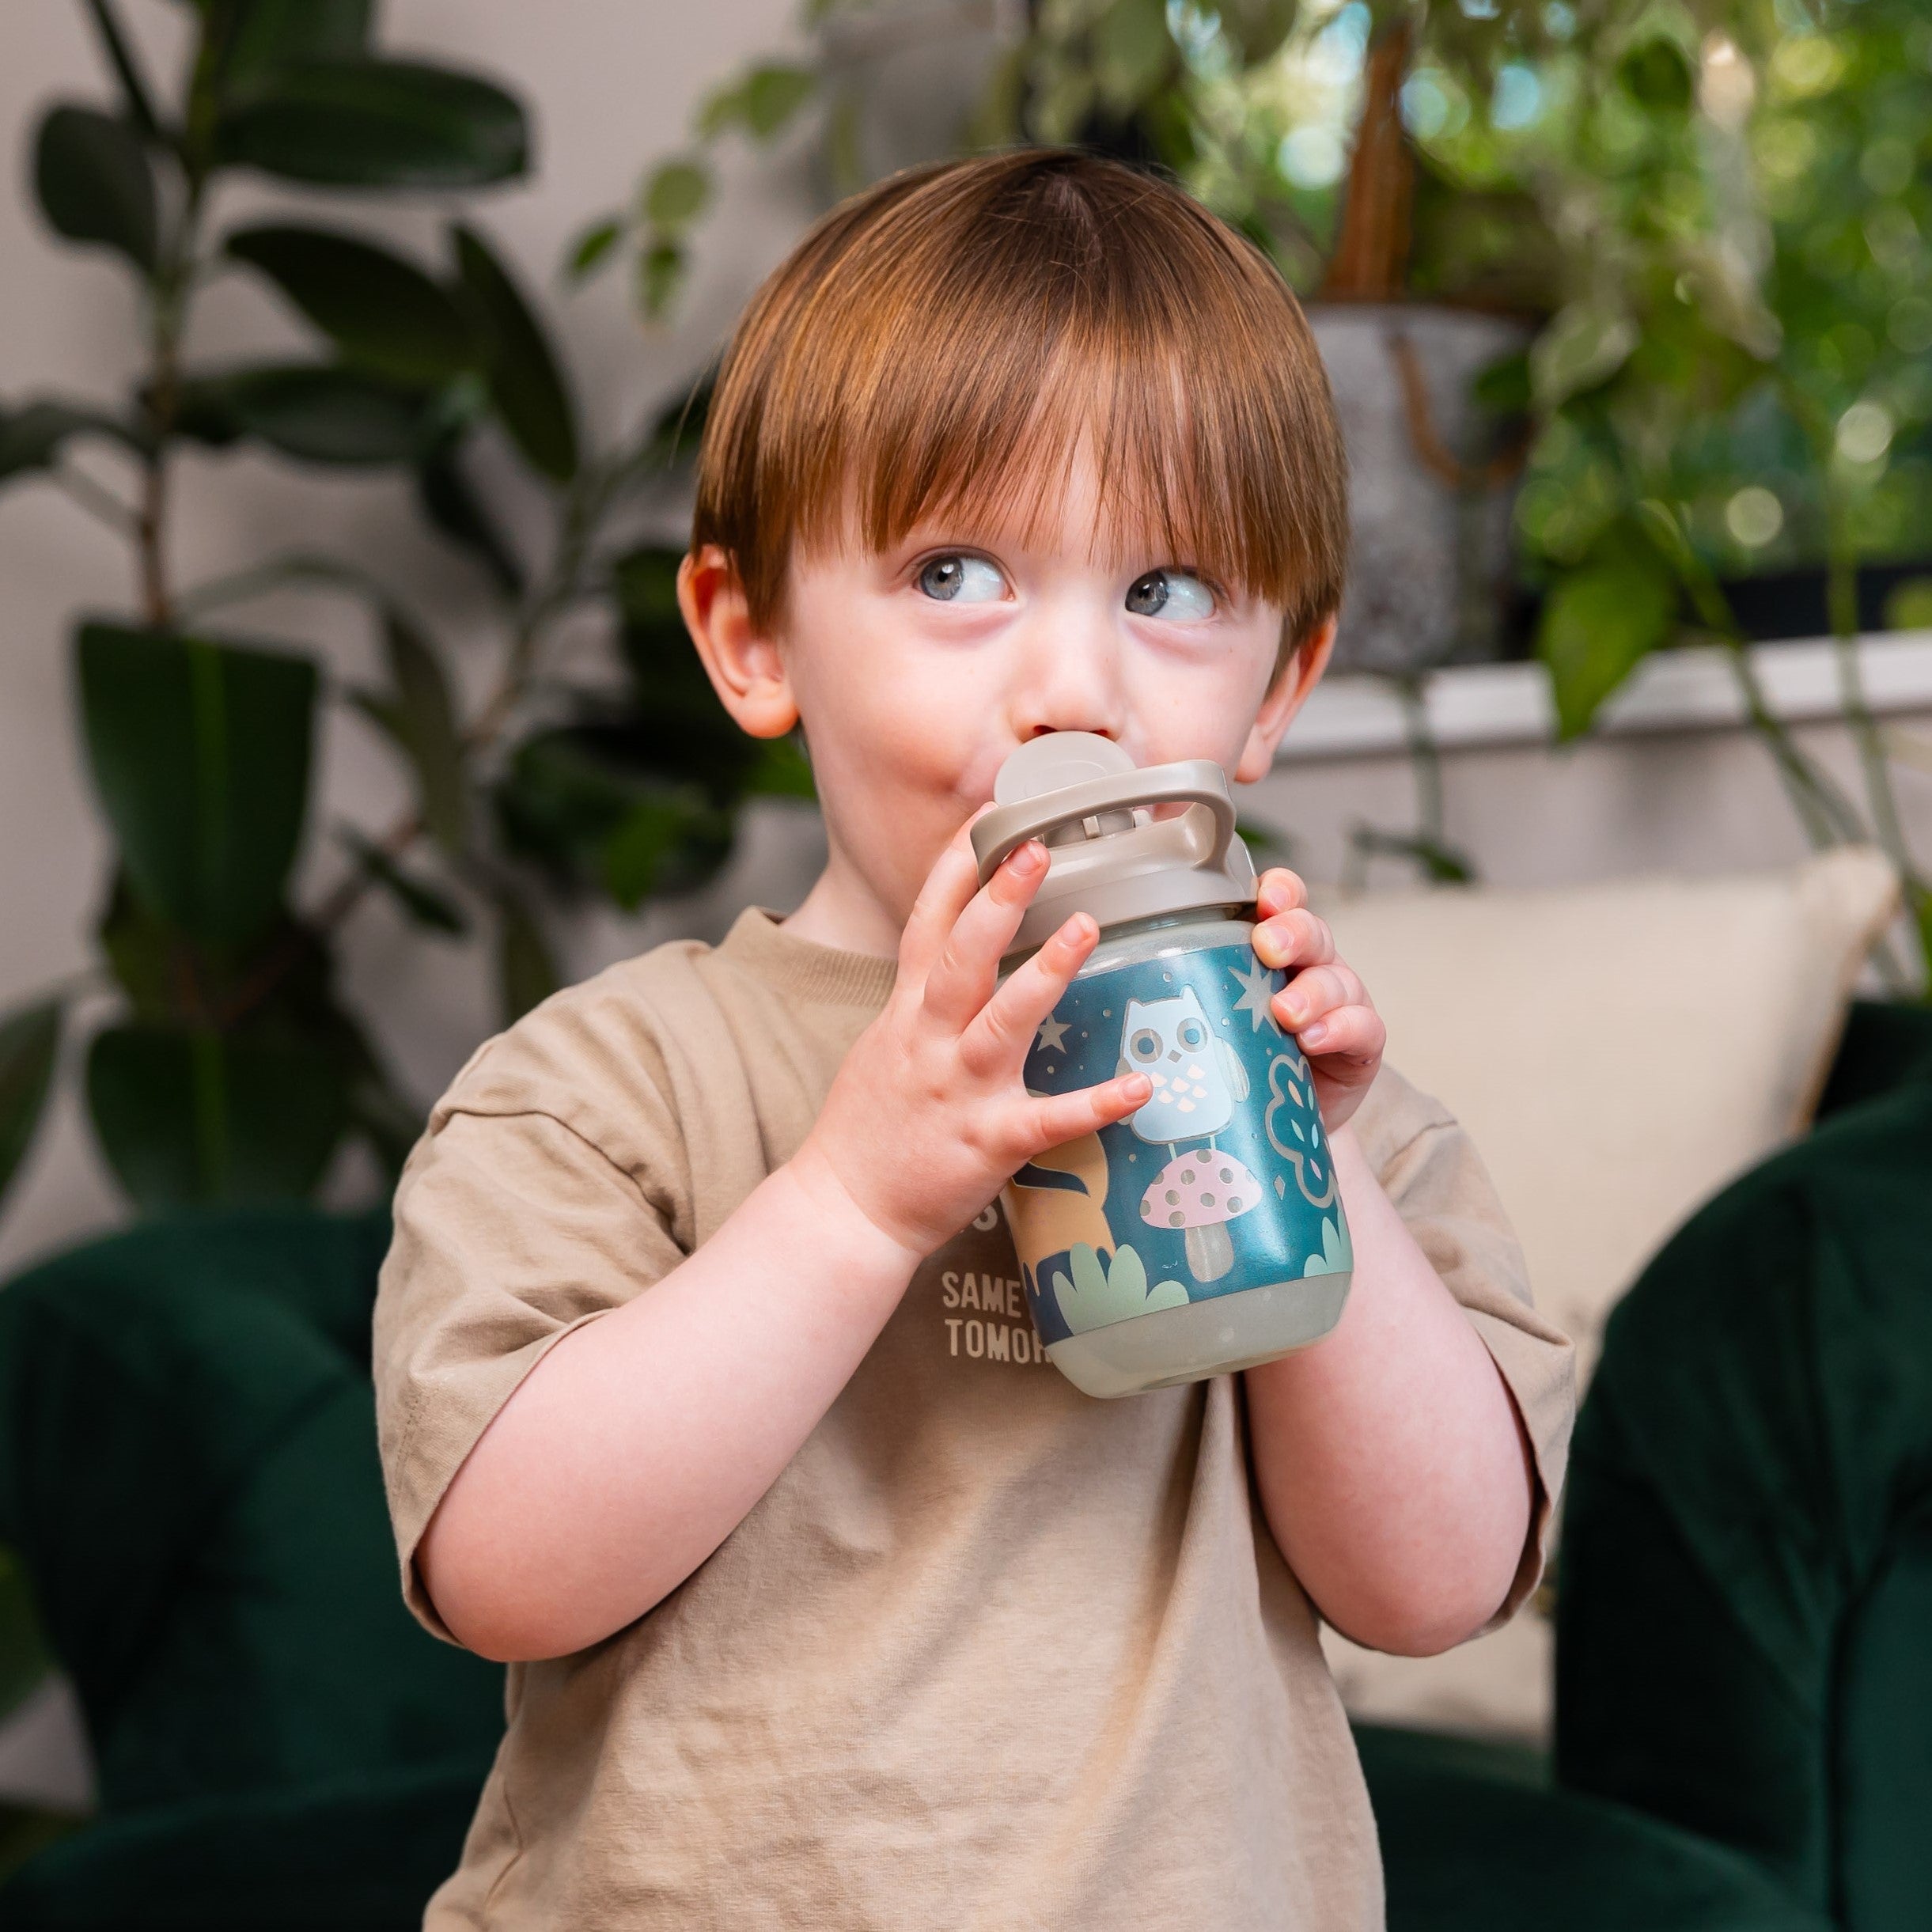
column 743, row 662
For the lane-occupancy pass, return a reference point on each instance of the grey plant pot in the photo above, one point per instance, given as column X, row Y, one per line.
column 1430, row 563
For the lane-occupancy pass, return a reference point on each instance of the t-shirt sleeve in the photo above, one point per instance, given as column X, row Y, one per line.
column 1431, row 1171
column 512, row 1228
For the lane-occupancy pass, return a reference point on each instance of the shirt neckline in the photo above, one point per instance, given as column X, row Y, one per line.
column 802, row 968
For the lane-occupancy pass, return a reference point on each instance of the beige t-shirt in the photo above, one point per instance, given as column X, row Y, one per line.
column 989, row 1653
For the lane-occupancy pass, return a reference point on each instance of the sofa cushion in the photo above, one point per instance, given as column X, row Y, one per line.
column 1618, row 1052
column 1474, row 1840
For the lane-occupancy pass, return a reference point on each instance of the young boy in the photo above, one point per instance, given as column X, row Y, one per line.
column 709, row 1396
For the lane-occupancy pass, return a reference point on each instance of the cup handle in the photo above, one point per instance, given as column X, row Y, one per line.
column 1192, row 781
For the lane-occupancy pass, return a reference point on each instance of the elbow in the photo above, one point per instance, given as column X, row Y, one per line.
column 1421, row 1622
column 499, row 1607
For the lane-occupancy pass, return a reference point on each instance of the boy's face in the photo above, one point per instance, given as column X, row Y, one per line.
column 918, row 669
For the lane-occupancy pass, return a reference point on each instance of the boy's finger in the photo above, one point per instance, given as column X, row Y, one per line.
column 1004, row 1029
column 961, row 979
column 952, row 882
column 1347, row 1036
column 1292, row 938
column 1316, row 991
column 1062, row 1117
column 1279, row 890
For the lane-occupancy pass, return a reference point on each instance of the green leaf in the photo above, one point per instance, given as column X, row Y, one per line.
column 593, row 248
column 270, row 34
column 1908, row 606
column 1502, row 387
column 639, row 847
column 199, row 753
column 1658, row 76
column 678, row 428
column 94, row 182
column 315, row 412
column 29, row 1046
column 453, row 506
column 430, row 736
column 1598, row 625
column 364, row 124
column 189, row 1117
column 526, row 385
column 661, row 273
column 1583, row 346
column 423, row 901
column 526, row 973
column 762, row 102
column 676, row 195
column 31, row 437
column 378, row 309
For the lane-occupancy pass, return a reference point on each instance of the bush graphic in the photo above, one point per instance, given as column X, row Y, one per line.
column 1338, row 1254
column 1101, row 1292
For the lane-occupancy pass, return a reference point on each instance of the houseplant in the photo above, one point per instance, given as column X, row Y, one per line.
column 229, row 1067
column 1738, row 375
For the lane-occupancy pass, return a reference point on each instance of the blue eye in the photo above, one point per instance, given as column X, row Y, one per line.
column 1174, row 594
column 960, row 579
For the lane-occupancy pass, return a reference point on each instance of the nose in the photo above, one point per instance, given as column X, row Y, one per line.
column 1172, row 1054
column 1068, row 675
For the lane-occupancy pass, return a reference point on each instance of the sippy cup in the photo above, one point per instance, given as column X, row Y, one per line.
column 1203, row 1233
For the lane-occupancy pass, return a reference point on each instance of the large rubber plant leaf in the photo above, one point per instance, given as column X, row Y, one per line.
column 419, row 714
column 1599, row 623
column 29, row 1045
column 24, row 1660
column 377, row 309
column 314, row 412
column 363, row 123
column 527, row 974
column 94, row 182
column 199, row 752
column 451, row 502
column 269, row 34
column 186, row 1117
column 32, row 437
column 527, row 385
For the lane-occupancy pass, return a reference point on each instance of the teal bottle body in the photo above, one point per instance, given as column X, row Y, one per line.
column 1205, row 1232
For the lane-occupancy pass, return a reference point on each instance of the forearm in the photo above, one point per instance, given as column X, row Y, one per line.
column 640, row 1440
column 1391, row 1464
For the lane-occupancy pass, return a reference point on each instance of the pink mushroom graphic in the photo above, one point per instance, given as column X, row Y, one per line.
column 1201, row 1192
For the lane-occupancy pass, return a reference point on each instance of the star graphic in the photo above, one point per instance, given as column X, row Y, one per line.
column 1053, row 1036
column 1257, row 990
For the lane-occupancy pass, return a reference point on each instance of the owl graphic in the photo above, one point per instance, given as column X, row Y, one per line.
column 1197, row 1076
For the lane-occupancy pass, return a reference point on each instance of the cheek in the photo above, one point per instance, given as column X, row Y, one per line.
column 1202, row 706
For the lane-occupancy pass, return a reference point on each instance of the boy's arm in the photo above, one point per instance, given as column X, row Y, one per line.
column 1392, row 1464
column 643, row 1438
column 1393, row 1468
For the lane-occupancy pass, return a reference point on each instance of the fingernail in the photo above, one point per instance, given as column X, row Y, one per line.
column 1139, row 1084
column 1314, row 1035
column 1029, row 857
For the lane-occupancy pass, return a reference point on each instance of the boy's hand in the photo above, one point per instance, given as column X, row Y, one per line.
column 929, row 1115
column 1323, row 1004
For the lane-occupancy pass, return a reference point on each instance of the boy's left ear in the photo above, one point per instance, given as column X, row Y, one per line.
column 1285, row 696
column 744, row 663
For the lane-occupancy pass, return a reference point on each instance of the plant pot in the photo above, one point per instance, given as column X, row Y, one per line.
column 1431, row 488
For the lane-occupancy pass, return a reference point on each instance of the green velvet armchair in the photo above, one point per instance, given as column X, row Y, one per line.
column 187, row 1468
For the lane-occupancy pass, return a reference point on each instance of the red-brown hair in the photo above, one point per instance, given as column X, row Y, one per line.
column 943, row 342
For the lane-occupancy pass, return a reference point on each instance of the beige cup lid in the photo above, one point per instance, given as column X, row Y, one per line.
column 1112, row 852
